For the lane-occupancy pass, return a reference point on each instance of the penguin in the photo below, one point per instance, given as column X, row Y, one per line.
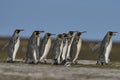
column 64, row 48
column 13, row 45
column 75, row 48
column 70, row 40
column 57, row 49
column 32, row 55
column 45, row 47
column 105, row 48
column 59, row 59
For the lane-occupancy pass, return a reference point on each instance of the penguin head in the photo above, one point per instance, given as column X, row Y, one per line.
column 110, row 33
column 59, row 36
column 80, row 33
column 65, row 35
column 37, row 32
column 49, row 34
column 70, row 33
column 18, row 30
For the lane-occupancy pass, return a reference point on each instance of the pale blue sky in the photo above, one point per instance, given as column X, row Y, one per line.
column 59, row 16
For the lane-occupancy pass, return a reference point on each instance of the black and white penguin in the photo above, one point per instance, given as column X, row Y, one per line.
column 70, row 41
column 45, row 47
column 13, row 45
column 57, row 49
column 32, row 55
column 105, row 48
column 75, row 48
column 64, row 48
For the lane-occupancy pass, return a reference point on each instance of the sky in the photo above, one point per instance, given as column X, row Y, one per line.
column 60, row 16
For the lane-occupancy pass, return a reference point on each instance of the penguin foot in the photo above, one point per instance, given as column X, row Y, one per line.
column 54, row 62
column 43, row 61
column 36, row 62
column 9, row 60
column 108, row 63
column 75, row 62
column 29, row 61
column 68, row 64
column 100, row 63
column 63, row 62
column 32, row 62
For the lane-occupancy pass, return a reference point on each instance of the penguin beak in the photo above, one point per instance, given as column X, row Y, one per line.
column 21, row 29
column 41, row 31
column 53, row 34
column 84, row 32
column 76, row 31
column 81, row 32
column 114, row 33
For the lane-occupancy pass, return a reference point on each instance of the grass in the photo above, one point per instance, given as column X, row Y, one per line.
column 85, row 54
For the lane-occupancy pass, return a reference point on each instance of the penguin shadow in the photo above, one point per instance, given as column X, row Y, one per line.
column 12, row 62
column 45, row 63
column 104, row 64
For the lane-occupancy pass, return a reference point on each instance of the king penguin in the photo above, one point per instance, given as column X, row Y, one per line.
column 13, row 44
column 45, row 47
column 59, row 59
column 75, row 48
column 65, row 47
column 105, row 48
column 70, row 40
column 32, row 54
column 57, row 49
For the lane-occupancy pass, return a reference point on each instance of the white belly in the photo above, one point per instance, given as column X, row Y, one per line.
column 16, row 48
column 38, row 41
column 78, row 50
column 68, row 51
column 46, row 50
column 108, row 49
column 69, row 47
column 61, row 49
column 35, row 56
column 65, row 50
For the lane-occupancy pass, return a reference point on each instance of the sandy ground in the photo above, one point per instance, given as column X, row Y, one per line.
column 22, row 71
